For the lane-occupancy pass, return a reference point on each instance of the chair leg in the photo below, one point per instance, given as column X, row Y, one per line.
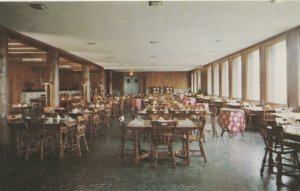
column 214, row 129
column 78, row 145
column 155, row 156
column 42, row 149
column 223, row 130
column 27, row 151
column 173, row 157
column 279, row 169
column 202, row 150
column 86, row 145
column 121, row 149
column 263, row 163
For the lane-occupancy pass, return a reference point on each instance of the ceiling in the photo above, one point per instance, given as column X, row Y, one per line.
column 117, row 35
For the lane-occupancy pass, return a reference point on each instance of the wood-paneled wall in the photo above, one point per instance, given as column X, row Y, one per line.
column 70, row 80
column 178, row 80
column 24, row 77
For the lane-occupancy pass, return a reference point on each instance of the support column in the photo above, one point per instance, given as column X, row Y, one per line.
column 4, row 91
column 101, row 85
column 109, row 82
column 230, row 78
column 263, row 76
column 293, row 62
column 86, row 83
column 244, row 76
column 53, row 62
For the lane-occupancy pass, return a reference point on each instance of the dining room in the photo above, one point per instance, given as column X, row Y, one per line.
column 150, row 95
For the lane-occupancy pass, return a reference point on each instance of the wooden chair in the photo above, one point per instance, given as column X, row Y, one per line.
column 178, row 114
column 17, row 130
column 166, row 116
column 80, row 134
column 196, row 136
column 213, row 113
column 41, row 140
column 95, row 123
column 163, row 136
column 151, row 113
column 268, row 118
column 287, row 160
column 126, row 136
column 108, row 116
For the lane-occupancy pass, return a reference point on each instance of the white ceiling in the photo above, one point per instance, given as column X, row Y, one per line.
column 187, row 31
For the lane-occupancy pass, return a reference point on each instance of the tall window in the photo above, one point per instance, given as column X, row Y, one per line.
column 199, row 81
column 237, row 77
column 277, row 74
column 225, row 79
column 216, row 79
column 253, row 83
column 209, row 79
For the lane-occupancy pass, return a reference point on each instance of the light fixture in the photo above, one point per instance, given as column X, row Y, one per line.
column 131, row 73
column 155, row 3
column 91, row 43
column 218, row 40
column 32, row 59
column 38, row 6
column 154, row 42
column 64, row 66
column 152, row 56
column 277, row 1
column 110, row 57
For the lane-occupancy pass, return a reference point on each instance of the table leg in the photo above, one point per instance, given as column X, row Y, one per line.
column 188, row 149
column 136, row 148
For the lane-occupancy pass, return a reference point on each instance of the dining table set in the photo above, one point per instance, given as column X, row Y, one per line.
column 144, row 126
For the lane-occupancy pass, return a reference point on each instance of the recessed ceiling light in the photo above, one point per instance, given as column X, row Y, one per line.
column 218, row 40
column 110, row 57
column 154, row 42
column 155, row 3
column 38, row 6
column 152, row 56
column 91, row 43
column 277, row 1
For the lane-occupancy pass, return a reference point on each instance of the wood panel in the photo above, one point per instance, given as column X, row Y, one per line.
column 25, row 78
column 95, row 78
column 70, row 80
column 178, row 80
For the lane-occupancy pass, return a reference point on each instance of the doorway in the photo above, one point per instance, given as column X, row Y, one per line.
column 131, row 85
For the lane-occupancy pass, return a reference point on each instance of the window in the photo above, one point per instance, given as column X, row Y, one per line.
column 277, row 74
column 237, row 77
column 216, row 79
column 199, row 81
column 225, row 79
column 253, row 68
column 209, row 88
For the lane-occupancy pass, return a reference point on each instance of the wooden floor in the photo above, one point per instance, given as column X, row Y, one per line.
column 233, row 164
